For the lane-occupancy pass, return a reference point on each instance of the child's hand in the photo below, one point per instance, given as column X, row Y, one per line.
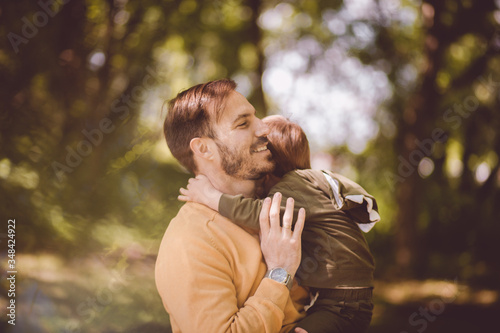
column 201, row 190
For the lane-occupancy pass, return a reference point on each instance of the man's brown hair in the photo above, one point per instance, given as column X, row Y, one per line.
column 289, row 145
column 191, row 115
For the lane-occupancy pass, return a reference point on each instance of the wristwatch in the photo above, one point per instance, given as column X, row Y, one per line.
column 280, row 275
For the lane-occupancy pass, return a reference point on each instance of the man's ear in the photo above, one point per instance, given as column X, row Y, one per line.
column 201, row 147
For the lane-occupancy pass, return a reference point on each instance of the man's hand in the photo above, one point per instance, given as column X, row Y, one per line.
column 201, row 190
column 300, row 330
column 280, row 246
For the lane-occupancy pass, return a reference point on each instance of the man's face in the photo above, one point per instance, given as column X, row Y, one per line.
column 242, row 140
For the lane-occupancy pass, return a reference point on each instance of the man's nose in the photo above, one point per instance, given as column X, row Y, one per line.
column 262, row 128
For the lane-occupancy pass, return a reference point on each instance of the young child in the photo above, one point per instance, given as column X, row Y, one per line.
column 336, row 265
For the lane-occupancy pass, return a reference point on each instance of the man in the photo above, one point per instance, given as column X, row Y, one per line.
column 210, row 273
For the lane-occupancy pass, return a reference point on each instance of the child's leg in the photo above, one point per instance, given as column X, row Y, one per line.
column 322, row 321
column 338, row 316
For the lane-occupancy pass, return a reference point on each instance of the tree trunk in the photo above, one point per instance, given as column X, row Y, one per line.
column 255, row 36
column 415, row 141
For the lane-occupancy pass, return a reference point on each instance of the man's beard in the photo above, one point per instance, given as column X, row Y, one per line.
column 234, row 164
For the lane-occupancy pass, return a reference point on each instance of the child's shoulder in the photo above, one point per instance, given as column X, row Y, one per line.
column 308, row 174
column 321, row 179
column 302, row 185
column 309, row 178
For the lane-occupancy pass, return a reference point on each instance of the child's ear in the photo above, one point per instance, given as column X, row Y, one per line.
column 201, row 147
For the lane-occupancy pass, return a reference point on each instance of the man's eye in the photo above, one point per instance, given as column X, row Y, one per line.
column 243, row 124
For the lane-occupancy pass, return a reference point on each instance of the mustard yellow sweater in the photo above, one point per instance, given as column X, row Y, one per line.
column 210, row 276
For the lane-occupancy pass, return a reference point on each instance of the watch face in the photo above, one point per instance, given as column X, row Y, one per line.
column 279, row 274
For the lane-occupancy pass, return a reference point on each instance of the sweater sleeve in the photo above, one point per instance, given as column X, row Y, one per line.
column 245, row 211
column 203, row 291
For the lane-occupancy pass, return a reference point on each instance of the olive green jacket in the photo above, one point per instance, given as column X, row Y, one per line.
column 334, row 251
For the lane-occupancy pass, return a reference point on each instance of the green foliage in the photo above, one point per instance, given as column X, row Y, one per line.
column 85, row 171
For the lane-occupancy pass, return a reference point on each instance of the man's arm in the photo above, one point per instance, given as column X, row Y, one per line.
column 281, row 247
column 203, row 298
column 197, row 282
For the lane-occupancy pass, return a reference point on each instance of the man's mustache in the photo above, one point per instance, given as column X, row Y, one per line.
column 260, row 142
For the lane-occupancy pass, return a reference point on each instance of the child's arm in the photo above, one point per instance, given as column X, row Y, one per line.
column 243, row 211
column 201, row 190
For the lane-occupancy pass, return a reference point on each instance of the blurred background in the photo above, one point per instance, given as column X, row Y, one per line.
column 402, row 96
